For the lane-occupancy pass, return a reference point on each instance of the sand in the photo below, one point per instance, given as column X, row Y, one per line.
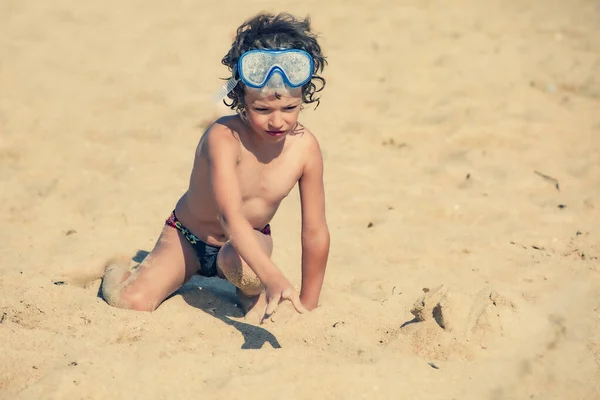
column 461, row 144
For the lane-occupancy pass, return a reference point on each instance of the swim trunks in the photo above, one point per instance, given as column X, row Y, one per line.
column 205, row 253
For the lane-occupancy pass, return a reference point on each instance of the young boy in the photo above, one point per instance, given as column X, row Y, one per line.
column 244, row 166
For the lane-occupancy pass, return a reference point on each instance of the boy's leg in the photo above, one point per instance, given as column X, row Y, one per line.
column 231, row 266
column 171, row 263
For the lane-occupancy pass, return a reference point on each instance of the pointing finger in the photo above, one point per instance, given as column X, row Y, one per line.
column 272, row 304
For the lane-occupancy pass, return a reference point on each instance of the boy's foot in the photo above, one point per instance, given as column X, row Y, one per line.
column 115, row 273
column 253, row 306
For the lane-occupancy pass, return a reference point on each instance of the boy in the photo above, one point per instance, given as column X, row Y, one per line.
column 244, row 166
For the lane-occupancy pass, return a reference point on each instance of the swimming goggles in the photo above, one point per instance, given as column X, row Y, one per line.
column 271, row 68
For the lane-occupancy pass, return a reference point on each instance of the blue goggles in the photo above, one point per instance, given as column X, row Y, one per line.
column 272, row 68
column 256, row 67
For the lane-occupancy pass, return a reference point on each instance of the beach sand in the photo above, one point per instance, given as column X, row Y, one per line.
column 462, row 152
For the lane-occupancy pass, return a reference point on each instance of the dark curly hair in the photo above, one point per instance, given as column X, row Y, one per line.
column 268, row 31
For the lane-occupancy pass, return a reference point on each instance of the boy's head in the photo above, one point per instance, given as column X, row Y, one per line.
column 283, row 31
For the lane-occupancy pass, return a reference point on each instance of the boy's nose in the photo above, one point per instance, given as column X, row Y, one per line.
column 276, row 121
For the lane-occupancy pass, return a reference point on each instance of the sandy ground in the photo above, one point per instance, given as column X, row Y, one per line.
column 462, row 150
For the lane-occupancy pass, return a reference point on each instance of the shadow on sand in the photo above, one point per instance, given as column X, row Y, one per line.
column 217, row 297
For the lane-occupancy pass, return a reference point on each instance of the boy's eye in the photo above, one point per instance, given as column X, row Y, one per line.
column 264, row 109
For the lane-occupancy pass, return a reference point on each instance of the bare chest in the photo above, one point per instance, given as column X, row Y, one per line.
column 267, row 183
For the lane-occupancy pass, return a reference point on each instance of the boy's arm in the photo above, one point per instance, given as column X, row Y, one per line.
column 223, row 152
column 315, row 233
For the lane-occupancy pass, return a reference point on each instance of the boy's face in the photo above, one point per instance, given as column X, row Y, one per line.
column 273, row 115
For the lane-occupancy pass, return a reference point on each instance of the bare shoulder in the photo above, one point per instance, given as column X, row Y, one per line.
column 222, row 137
column 310, row 147
column 306, row 135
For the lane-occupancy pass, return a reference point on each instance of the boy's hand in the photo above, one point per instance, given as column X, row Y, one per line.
column 278, row 291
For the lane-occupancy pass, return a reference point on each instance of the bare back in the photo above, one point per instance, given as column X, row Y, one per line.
column 266, row 175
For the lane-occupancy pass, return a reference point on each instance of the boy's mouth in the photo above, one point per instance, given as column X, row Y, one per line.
column 275, row 133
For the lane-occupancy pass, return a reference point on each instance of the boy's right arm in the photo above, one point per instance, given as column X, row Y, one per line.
column 223, row 151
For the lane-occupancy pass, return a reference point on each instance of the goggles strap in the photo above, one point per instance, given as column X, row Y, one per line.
column 226, row 89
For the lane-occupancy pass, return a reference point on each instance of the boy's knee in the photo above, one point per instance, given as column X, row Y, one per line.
column 249, row 284
column 229, row 263
column 131, row 299
column 138, row 300
column 242, row 277
column 228, row 257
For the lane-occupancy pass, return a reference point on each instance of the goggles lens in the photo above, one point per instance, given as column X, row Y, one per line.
column 256, row 67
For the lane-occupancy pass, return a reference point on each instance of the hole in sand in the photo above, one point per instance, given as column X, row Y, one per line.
column 437, row 316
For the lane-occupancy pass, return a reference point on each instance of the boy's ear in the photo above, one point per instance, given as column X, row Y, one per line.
column 243, row 115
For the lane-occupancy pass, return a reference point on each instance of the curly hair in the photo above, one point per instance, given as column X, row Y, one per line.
column 268, row 31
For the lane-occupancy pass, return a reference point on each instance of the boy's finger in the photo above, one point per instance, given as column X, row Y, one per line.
column 263, row 314
column 272, row 305
column 295, row 299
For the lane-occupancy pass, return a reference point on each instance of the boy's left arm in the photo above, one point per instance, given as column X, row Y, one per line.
column 315, row 233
